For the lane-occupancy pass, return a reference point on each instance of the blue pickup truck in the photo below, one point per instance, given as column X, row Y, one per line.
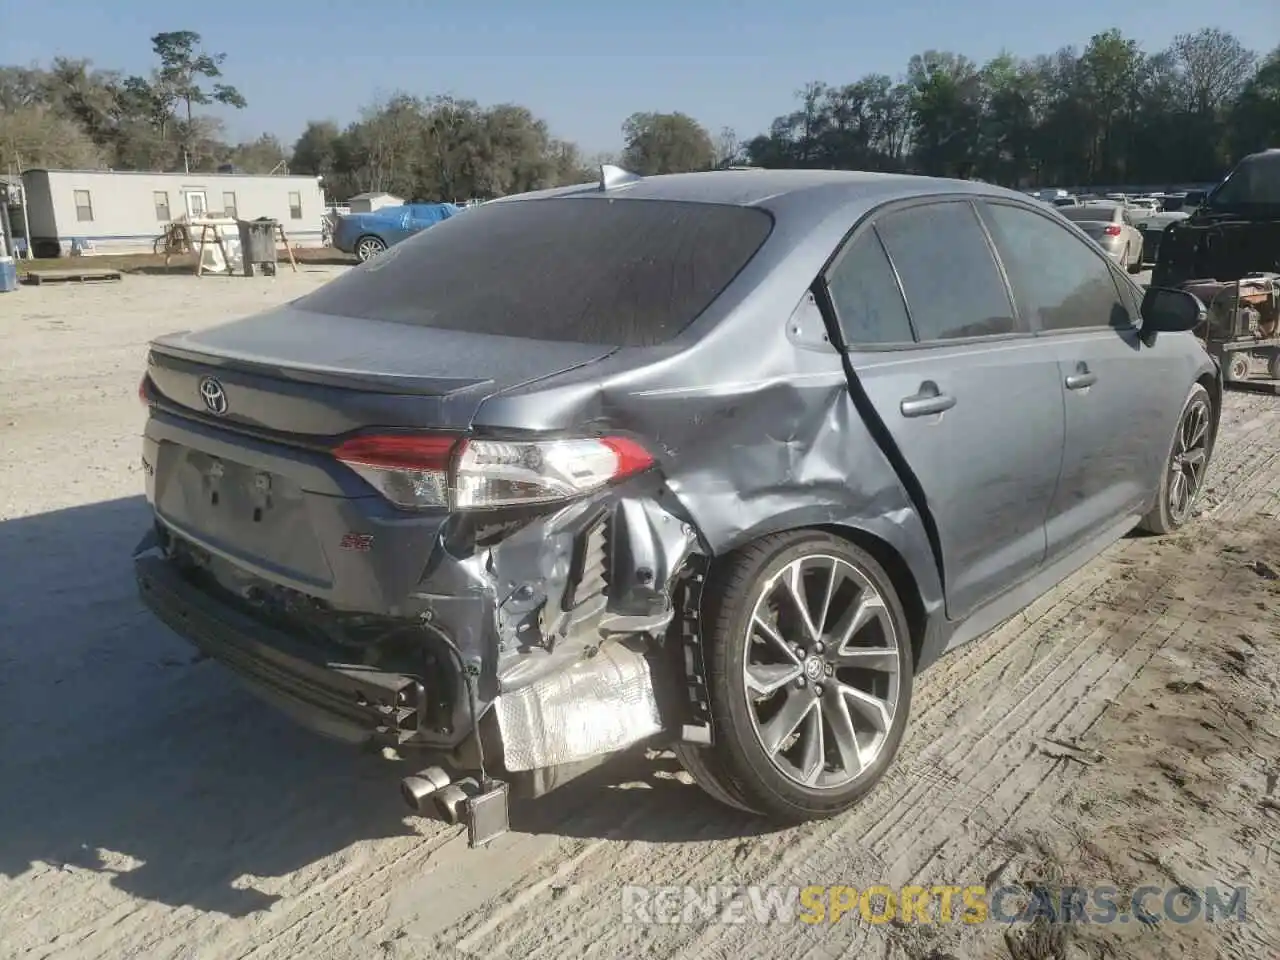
column 369, row 234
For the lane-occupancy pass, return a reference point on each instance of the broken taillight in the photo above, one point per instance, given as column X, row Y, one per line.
column 421, row 471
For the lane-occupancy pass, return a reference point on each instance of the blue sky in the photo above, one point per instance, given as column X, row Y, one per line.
column 583, row 67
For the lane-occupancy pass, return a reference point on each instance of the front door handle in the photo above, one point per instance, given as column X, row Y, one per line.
column 928, row 400
column 1083, row 377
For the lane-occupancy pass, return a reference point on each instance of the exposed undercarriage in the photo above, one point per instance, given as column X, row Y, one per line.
column 561, row 637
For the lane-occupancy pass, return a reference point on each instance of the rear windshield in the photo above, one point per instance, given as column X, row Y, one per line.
column 627, row 273
column 1082, row 214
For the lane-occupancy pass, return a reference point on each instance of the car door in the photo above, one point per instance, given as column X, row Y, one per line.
column 1122, row 396
column 970, row 400
column 428, row 215
column 395, row 223
column 419, row 217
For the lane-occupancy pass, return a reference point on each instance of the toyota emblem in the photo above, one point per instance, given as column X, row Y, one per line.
column 214, row 397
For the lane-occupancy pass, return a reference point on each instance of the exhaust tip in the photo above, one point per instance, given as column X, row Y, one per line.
column 451, row 801
column 417, row 790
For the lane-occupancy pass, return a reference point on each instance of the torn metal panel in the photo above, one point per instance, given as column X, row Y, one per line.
column 647, row 546
column 596, row 706
column 561, row 585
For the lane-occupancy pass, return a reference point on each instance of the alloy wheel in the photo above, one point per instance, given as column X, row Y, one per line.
column 821, row 670
column 1190, row 457
column 369, row 247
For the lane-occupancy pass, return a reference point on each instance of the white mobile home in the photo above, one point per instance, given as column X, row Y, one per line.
column 112, row 211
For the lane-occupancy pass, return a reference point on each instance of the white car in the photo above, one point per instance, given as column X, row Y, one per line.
column 1111, row 226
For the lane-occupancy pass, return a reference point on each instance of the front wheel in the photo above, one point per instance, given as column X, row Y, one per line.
column 1183, row 476
column 810, row 670
column 369, row 247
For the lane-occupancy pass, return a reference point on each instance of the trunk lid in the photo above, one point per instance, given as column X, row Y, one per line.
column 1097, row 230
column 296, row 373
column 255, row 483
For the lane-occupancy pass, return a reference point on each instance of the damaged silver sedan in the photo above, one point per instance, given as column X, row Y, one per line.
column 717, row 462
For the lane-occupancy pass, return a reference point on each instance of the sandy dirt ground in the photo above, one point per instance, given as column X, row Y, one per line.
column 1122, row 730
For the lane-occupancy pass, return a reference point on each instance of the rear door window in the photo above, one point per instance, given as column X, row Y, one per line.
column 1059, row 280
column 866, row 296
column 628, row 273
column 950, row 278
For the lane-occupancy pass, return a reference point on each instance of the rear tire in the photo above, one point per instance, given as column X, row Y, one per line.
column 809, row 706
column 369, row 247
column 704, row 766
column 1136, row 265
column 1188, row 459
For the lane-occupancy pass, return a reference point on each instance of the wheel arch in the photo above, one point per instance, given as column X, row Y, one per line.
column 1212, row 382
column 915, row 603
column 900, row 574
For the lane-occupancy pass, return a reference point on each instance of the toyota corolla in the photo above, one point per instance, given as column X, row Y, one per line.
column 716, row 461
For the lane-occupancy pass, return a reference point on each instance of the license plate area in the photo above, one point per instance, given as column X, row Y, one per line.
column 241, row 510
column 255, row 487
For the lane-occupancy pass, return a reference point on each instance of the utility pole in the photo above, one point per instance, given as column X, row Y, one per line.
column 26, row 221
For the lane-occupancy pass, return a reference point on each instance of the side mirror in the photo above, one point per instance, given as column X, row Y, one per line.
column 1167, row 310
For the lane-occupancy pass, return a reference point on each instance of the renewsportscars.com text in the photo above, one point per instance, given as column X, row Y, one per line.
column 728, row 903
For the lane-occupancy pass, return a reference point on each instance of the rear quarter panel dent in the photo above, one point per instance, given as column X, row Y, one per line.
column 754, row 433
column 788, row 456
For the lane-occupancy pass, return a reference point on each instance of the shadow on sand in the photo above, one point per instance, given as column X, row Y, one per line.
column 127, row 754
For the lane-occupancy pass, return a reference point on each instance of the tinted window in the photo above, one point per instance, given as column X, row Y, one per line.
column 587, row 270
column 866, row 295
column 952, row 284
column 1079, row 290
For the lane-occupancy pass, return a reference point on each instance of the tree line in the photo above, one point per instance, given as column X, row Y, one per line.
column 1110, row 113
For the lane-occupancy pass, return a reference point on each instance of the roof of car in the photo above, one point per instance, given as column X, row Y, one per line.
column 760, row 187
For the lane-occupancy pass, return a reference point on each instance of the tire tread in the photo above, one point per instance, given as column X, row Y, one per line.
column 1158, row 521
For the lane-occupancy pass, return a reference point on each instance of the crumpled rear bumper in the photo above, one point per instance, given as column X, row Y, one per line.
column 555, row 629
column 344, row 700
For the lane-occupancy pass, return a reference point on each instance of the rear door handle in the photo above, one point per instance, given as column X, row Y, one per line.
column 928, row 401
column 1084, row 378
